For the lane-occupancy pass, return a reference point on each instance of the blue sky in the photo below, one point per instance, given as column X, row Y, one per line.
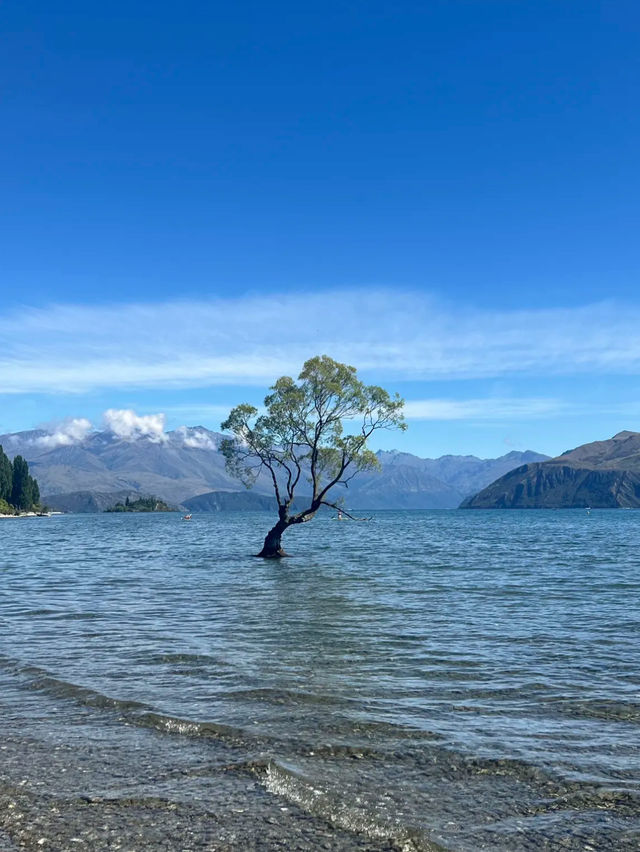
column 197, row 197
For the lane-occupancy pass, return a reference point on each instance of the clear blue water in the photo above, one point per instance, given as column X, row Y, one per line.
column 449, row 679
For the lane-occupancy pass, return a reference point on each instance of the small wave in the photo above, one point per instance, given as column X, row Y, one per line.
column 623, row 803
column 190, row 728
column 376, row 729
column 191, row 659
column 620, row 711
column 132, row 712
column 142, row 714
column 350, row 816
column 33, row 612
column 270, row 695
column 81, row 694
column 78, row 616
column 456, row 767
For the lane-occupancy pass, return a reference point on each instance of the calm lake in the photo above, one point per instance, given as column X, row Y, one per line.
column 452, row 680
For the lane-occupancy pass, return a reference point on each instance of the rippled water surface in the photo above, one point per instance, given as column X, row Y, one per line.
column 439, row 680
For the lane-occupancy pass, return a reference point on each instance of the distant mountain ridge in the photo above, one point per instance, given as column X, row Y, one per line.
column 464, row 474
column 186, row 465
column 602, row 474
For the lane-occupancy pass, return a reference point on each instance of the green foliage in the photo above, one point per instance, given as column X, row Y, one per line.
column 314, row 429
column 18, row 490
column 143, row 504
column 5, row 508
column 35, row 491
column 22, row 490
column 6, row 476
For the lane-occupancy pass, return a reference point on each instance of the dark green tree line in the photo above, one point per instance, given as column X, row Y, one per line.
column 6, row 476
column 18, row 489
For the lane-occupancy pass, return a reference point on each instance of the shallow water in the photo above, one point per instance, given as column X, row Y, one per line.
column 449, row 679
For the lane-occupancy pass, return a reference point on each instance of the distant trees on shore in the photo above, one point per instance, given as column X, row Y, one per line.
column 19, row 491
column 142, row 504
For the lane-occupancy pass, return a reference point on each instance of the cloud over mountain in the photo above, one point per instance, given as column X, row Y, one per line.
column 126, row 424
column 196, row 438
column 70, row 431
column 122, row 424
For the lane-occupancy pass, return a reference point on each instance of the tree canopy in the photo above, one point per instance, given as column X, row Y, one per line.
column 313, row 434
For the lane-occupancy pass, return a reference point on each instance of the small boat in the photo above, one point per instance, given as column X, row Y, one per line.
column 186, row 517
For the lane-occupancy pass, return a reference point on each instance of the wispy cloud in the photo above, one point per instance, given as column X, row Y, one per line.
column 197, row 414
column 489, row 409
column 391, row 334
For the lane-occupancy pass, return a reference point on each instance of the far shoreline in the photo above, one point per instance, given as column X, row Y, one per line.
column 31, row 515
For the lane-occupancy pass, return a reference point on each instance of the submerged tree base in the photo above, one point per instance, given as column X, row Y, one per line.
column 272, row 545
column 271, row 554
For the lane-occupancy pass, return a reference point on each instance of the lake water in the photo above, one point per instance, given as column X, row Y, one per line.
column 452, row 680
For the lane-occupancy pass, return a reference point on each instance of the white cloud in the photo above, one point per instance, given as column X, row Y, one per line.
column 252, row 340
column 484, row 409
column 126, row 425
column 196, row 438
column 129, row 426
column 71, row 431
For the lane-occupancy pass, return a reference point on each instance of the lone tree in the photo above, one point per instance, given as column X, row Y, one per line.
column 314, row 430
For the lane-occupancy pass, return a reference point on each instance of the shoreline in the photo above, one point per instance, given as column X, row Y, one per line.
column 141, row 794
column 28, row 515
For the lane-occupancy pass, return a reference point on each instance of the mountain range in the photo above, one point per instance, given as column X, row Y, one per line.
column 185, row 468
column 602, row 474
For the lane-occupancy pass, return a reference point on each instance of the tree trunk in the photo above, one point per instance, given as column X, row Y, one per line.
column 272, row 547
